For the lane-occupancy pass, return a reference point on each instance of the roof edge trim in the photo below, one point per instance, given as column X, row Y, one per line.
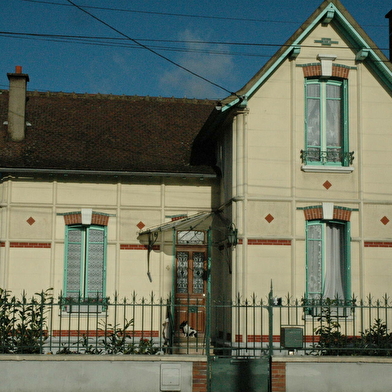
column 103, row 173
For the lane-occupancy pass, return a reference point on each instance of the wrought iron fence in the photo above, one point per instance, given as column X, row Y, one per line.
column 242, row 327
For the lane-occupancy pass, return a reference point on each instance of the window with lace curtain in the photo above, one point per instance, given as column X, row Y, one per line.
column 326, row 123
column 328, row 260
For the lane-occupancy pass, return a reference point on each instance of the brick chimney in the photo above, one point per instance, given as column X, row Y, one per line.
column 389, row 16
column 17, row 104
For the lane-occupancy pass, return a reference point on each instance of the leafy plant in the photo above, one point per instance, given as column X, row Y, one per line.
column 23, row 323
column 114, row 341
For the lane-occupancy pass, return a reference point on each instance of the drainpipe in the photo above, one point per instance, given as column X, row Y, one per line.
column 17, row 104
column 389, row 16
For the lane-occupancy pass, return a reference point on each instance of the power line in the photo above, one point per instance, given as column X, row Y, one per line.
column 151, row 50
column 181, row 15
column 120, row 43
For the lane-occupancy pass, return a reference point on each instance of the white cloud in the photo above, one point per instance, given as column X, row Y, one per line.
column 201, row 59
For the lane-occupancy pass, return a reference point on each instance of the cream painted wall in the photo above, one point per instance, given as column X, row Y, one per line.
column 33, row 268
column 21, row 229
column 258, row 226
column 274, row 183
column 29, row 271
column 268, row 263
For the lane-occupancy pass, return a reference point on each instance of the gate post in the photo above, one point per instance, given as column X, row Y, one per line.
column 270, row 322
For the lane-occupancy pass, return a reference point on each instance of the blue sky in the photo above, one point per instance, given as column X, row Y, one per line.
column 64, row 49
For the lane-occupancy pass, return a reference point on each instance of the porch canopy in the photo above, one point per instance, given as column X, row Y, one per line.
column 200, row 221
column 165, row 233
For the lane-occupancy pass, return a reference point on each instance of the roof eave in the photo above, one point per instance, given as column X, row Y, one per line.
column 343, row 19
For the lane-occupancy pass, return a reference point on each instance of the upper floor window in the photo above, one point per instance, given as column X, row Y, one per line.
column 85, row 262
column 326, row 123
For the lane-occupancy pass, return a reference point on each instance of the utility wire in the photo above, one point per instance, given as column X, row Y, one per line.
column 150, row 50
column 180, row 15
column 90, row 38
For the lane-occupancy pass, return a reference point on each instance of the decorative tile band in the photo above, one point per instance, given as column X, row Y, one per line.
column 268, row 242
column 99, row 333
column 338, row 70
column 316, row 212
column 275, row 338
column 138, row 247
column 377, row 244
column 75, row 218
column 29, row 245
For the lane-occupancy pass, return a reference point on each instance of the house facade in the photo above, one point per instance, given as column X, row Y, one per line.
column 287, row 181
column 303, row 154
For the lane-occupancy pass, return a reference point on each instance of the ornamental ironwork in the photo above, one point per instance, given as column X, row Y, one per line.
column 331, row 156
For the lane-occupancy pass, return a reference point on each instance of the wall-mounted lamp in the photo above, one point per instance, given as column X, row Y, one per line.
column 232, row 235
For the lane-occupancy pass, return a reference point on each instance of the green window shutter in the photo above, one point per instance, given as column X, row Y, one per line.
column 74, row 266
column 95, row 262
column 85, row 262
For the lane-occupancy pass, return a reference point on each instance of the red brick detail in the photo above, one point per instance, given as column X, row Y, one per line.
column 317, row 213
column 2, row 244
column 99, row 219
column 73, row 219
column 278, row 377
column 268, row 242
column 30, row 245
column 98, row 333
column 378, row 244
column 199, row 377
column 138, row 247
column 238, row 338
column 176, row 218
column 240, row 241
column 262, row 338
column 76, row 219
column 384, row 220
column 314, row 70
column 269, row 218
column 340, row 214
column 313, row 213
column 340, row 72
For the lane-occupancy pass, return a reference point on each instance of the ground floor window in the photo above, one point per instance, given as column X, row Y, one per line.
column 85, row 262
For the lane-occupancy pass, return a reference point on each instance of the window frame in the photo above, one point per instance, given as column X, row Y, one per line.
column 347, row 258
column 84, row 295
column 345, row 157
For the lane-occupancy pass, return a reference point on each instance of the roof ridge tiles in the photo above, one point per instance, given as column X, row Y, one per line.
column 147, row 98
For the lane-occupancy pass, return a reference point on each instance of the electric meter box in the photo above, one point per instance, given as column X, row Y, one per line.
column 291, row 337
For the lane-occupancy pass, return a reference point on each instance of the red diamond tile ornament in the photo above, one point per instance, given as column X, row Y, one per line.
column 269, row 218
column 384, row 220
column 327, row 185
column 140, row 225
column 30, row 221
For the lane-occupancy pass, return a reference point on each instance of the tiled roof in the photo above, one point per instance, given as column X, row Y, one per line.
column 105, row 133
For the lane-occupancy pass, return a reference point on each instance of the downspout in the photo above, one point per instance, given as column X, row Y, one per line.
column 208, row 299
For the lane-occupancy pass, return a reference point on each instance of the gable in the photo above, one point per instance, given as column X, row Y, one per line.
column 334, row 19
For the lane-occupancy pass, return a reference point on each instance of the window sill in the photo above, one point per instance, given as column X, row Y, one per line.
column 327, row 169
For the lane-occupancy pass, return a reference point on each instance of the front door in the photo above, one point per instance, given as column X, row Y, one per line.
column 191, row 285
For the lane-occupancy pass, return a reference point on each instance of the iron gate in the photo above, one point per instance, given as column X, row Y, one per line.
column 239, row 374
